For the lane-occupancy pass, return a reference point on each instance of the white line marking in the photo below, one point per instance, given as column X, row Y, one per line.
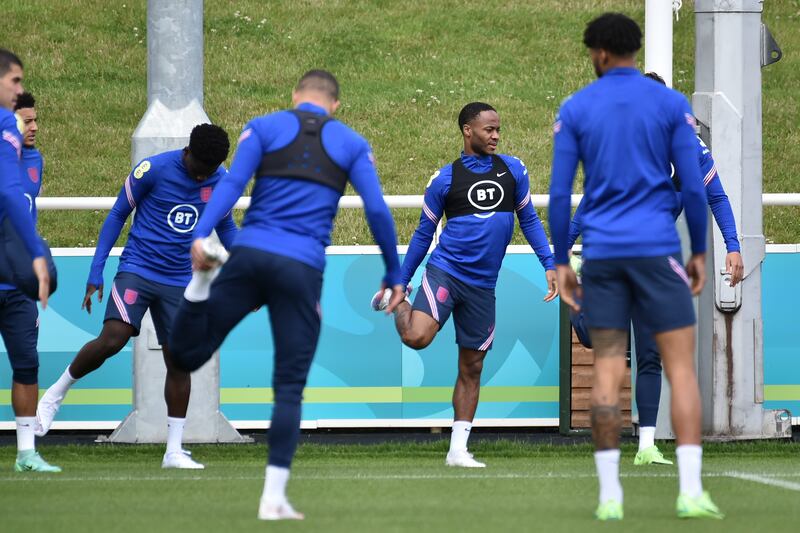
column 766, row 478
column 771, row 481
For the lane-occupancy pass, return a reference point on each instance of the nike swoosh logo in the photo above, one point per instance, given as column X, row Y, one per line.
column 500, row 174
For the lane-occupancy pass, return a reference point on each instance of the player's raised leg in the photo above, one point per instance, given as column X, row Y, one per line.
column 648, row 394
column 113, row 337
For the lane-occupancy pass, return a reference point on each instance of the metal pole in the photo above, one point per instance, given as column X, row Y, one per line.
column 174, row 77
column 175, row 106
column 727, row 103
column 658, row 38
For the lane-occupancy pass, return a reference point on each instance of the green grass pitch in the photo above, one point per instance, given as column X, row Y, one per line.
column 391, row 487
column 406, row 69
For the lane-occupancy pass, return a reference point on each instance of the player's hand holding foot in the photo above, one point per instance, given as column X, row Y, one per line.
column 43, row 275
column 87, row 298
column 387, row 300
column 568, row 286
column 199, row 259
column 398, row 295
column 552, row 285
column 696, row 269
column 735, row 267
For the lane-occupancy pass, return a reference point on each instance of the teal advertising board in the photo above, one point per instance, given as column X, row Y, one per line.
column 362, row 375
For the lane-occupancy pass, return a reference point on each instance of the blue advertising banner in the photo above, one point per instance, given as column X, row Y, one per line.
column 362, row 374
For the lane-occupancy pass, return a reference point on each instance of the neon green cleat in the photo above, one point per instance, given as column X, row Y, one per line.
column 699, row 507
column 610, row 510
column 650, row 456
column 31, row 461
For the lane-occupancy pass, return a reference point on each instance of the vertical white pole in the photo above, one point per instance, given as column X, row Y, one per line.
column 658, row 59
column 658, row 38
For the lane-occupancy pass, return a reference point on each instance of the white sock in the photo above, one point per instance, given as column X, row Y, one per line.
column 25, row 436
column 647, row 437
column 174, row 433
column 690, row 462
column 460, row 435
column 607, row 463
column 199, row 288
column 275, row 484
column 62, row 385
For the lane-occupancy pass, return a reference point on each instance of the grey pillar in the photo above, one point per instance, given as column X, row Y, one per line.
column 174, row 107
column 727, row 103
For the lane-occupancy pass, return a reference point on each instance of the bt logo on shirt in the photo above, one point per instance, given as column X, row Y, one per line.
column 182, row 218
column 485, row 195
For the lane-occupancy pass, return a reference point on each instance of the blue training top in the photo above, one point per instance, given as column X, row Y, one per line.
column 626, row 129
column 31, row 181
column 168, row 204
column 293, row 217
column 715, row 193
column 471, row 247
column 12, row 200
column 32, row 172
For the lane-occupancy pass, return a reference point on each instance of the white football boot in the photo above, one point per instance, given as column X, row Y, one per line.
column 46, row 411
column 279, row 511
column 463, row 459
column 215, row 252
column 380, row 300
column 180, row 460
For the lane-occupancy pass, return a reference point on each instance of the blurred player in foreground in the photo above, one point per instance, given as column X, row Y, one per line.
column 479, row 193
column 626, row 130
column 18, row 314
column 648, row 360
column 169, row 192
column 302, row 160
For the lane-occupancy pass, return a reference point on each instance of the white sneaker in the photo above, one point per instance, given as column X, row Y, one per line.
column 46, row 411
column 463, row 459
column 280, row 511
column 180, row 460
column 380, row 300
column 215, row 252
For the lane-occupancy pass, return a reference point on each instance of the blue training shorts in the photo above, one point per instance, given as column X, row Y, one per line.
column 132, row 295
column 473, row 308
column 19, row 326
column 656, row 290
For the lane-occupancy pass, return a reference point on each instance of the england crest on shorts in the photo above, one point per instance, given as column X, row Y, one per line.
column 130, row 296
column 441, row 294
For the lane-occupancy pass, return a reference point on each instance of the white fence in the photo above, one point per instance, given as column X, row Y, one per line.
column 347, row 202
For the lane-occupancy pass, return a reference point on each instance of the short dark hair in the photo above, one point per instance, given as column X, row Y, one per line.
column 209, row 144
column 8, row 58
column 319, row 80
column 24, row 101
column 615, row 33
column 655, row 77
column 470, row 111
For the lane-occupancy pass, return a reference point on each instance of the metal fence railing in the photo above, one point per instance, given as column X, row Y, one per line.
column 347, row 202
